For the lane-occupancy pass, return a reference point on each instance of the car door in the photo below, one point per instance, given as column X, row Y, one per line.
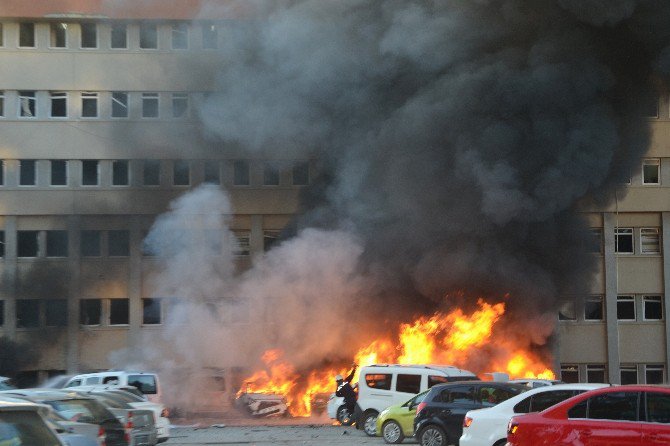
column 461, row 399
column 608, row 419
column 655, row 426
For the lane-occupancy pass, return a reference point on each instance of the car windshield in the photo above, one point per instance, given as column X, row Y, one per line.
column 81, row 410
column 25, row 428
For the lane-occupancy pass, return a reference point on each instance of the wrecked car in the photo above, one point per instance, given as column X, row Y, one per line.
column 262, row 404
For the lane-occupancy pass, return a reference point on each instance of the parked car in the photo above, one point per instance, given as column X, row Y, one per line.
column 488, row 427
column 383, row 385
column 139, row 423
column 22, row 423
column 533, row 382
column 136, row 399
column 145, row 382
column 262, row 404
column 76, row 407
column 439, row 417
column 619, row 415
column 397, row 422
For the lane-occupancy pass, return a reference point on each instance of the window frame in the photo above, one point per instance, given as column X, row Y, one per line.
column 184, row 31
column 642, row 236
column 647, row 298
column 654, row 368
column 111, row 36
column 596, row 368
column 116, row 163
column 177, row 98
column 624, row 232
column 591, row 299
column 34, row 37
column 52, row 244
column 144, row 27
column 37, row 316
column 242, row 243
column 36, row 242
column 629, row 369
column 47, row 312
column 90, row 96
column 35, row 173
column 110, row 312
column 626, row 299
column 98, row 236
column 97, row 174
column 81, row 36
column 151, row 163
column 178, row 169
column 244, row 169
column 31, row 101
column 54, row 26
column 148, row 97
column 651, row 162
column 82, row 322
column 58, row 96
column 161, row 317
column 120, row 104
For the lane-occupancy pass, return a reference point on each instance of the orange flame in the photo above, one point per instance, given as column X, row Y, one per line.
column 441, row 339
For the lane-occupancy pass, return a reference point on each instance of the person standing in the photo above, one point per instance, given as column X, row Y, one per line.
column 346, row 391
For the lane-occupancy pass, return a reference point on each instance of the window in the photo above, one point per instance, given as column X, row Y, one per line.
column 241, row 173
column 27, row 35
column 243, row 247
column 212, row 172
column 270, row 238
column 89, row 35
column 566, row 311
column 57, row 244
column 56, row 312
column 120, row 175
column 90, row 243
column 89, row 105
column 378, row 381
column 27, row 172
column 57, row 35
column 271, row 175
column 654, row 374
column 149, row 105
column 436, row 379
column 89, row 172
column 2, row 103
column 179, row 36
column 210, row 36
column 27, row 313
column 118, row 243
column 541, row 401
column 595, row 373
column 593, row 308
column 119, row 104
column 408, row 383
column 653, row 308
column 148, row 36
column 181, row 173
column 27, row 104
column 2, row 172
column 651, row 171
column 613, row 406
column 119, row 35
column 179, row 105
column 58, row 104
column 628, row 374
column 625, row 308
column 118, row 312
column 151, row 311
column 2, row 245
column 90, row 311
column 650, row 241
column 569, row 373
column 151, row 172
column 301, row 174
column 657, row 407
column 27, row 243
column 623, row 240
column 457, row 394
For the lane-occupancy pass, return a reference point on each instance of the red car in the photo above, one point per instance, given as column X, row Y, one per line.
column 612, row 416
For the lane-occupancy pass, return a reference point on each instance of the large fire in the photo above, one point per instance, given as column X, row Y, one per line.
column 455, row 338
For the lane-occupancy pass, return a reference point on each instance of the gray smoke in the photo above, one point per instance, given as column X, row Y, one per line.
column 456, row 140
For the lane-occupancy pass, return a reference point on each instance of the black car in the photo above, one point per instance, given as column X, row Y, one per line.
column 439, row 418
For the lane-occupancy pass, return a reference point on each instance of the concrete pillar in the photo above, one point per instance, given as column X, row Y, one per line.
column 8, row 290
column 611, row 290
column 256, row 236
column 135, row 283
column 666, row 286
column 74, row 293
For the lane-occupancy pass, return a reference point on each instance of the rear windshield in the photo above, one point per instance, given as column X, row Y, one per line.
column 81, row 410
column 25, row 428
column 145, row 383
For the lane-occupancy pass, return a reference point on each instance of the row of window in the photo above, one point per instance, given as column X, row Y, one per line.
column 111, row 243
column 36, row 313
column 91, row 35
column 119, row 172
column 596, row 373
column 630, row 307
column 27, row 104
column 624, row 241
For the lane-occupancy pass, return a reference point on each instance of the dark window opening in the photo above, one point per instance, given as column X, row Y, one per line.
column 408, row 383
column 90, row 243
column 593, row 308
column 151, row 311
column 89, row 172
column 119, row 36
column 118, row 243
column 151, row 172
column 148, row 36
column 625, row 308
column 58, row 172
column 27, row 243
column 271, row 175
column 301, row 174
column 56, row 312
column 212, row 172
column 89, row 35
column 181, row 173
column 241, row 173
column 57, row 244
column 27, row 313
column 27, row 35
column 119, row 104
column 118, row 312
column 27, row 172
column 90, row 311
column 120, row 175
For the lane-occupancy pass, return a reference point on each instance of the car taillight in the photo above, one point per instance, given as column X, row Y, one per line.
column 101, row 437
column 165, row 413
column 467, row 421
column 420, row 407
column 512, row 427
column 128, row 428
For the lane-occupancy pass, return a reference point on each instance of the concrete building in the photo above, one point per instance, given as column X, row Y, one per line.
column 98, row 134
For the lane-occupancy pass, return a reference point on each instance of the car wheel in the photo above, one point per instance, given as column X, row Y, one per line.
column 392, row 432
column 502, row 442
column 370, row 423
column 433, row 436
column 344, row 417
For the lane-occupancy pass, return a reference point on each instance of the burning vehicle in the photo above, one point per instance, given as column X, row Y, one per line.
column 262, row 404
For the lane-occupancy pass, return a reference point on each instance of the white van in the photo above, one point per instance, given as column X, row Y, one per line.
column 381, row 386
column 147, row 383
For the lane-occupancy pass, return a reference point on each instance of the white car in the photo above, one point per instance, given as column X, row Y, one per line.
column 533, row 382
column 488, row 427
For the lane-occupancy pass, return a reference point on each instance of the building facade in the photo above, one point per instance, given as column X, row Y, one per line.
column 99, row 132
